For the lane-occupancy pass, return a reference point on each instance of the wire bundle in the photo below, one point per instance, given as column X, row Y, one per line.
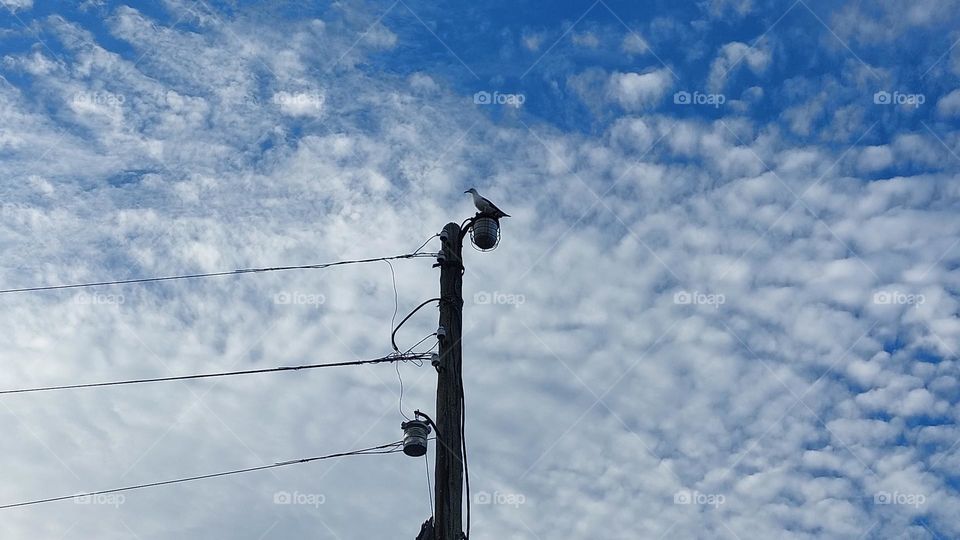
column 395, row 357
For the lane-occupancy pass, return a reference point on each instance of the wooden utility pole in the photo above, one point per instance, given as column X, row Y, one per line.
column 449, row 465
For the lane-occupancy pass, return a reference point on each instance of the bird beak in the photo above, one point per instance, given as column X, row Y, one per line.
column 467, row 191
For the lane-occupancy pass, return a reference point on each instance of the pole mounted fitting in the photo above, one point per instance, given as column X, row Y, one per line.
column 415, row 434
column 484, row 231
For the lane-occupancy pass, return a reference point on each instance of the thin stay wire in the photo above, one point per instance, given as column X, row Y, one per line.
column 238, row 271
column 426, row 463
column 393, row 357
column 374, row 450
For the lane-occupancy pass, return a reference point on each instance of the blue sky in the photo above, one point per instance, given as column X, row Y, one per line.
column 725, row 305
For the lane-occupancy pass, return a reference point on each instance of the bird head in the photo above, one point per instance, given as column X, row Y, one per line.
column 471, row 190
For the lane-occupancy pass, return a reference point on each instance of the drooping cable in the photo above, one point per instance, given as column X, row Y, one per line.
column 396, row 296
column 373, row 450
column 463, row 444
column 390, row 358
column 393, row 335
column 426, row 463
column 393, row 320
column 418, row 361
column 400, row 404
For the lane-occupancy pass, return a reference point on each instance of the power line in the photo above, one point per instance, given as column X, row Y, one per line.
column 392, row 358
column 374, row 450
column 212, row 274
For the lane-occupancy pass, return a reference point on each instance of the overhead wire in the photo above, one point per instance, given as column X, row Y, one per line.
column 373, row 450
column 396, row 357
column 238, row 271
column 393, row 357
column 463, row 444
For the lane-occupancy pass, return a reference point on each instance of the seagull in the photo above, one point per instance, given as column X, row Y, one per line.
column 485, row 206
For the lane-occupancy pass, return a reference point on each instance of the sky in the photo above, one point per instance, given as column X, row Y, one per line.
column 725, row 304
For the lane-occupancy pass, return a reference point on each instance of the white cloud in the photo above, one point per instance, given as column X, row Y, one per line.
column 16, row 4
column 423, row 83
column 719, row 8
column 874, row 158
column 585, row 39
column 300, row 103
column 949, row 105
column 380, row 37
column 633, row 43
column 200, row 168
column 879, row 23
column 635, row 91
column 532, row 40
column 732, row 56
